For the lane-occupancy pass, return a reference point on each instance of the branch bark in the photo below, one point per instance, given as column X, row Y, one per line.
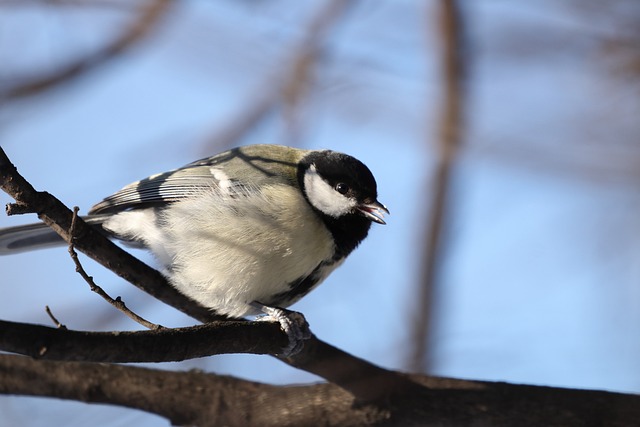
column 194, row 398
column 160, row 345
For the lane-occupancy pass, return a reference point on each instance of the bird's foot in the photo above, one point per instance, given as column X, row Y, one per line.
column 291, row 322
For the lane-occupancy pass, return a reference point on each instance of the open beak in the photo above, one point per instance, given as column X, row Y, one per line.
column 374, row 211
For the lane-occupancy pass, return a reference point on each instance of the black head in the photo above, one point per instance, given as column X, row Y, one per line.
column 343, row 191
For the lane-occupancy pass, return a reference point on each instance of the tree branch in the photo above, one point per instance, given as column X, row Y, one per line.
column 454, row 64
column 161, row 345
column 194, row 398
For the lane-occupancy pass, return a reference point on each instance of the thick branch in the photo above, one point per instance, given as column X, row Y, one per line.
column 194, row 398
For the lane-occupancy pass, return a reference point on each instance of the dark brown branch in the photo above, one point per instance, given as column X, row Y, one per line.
column 194, row 398
column 184, row 398
column 366, row 381
column 162, row 345
column 147, row 20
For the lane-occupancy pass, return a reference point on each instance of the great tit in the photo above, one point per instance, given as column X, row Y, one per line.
column 250, row 230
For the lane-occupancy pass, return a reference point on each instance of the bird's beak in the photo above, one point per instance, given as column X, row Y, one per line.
column 374, row 211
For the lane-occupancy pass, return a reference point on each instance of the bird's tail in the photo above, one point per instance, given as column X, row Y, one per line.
column 35, row 236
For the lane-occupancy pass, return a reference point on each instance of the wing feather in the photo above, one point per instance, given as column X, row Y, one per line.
column 235, row 173
column 166, row 188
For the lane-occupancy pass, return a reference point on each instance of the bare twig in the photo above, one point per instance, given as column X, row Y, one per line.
column 299, row 75
column 17, row 209
column 53, row 318
column 117, row 303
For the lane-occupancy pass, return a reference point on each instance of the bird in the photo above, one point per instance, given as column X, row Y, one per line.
column 245, row 232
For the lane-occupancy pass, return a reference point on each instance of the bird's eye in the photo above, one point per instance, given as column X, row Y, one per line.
column 342, row 188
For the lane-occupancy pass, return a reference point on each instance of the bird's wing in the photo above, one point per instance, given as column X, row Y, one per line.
column 238, row 172
column 171, row 187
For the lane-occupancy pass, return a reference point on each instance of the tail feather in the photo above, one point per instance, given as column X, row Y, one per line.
column 33, row 236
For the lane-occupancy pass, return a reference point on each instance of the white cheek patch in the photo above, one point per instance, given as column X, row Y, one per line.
column 323, row 196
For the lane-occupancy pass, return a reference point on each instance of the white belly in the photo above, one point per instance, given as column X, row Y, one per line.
column 228, row 252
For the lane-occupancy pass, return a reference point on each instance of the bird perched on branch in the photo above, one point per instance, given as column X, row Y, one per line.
column 248, row 231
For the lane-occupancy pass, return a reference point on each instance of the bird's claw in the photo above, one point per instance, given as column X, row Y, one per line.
column 292, row 323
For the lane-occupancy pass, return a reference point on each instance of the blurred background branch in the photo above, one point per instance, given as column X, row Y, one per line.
column 146, row 20
column 454, row 65
column 287, row 87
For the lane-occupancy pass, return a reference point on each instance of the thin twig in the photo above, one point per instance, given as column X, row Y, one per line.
column 117, row 303
column 17, row 209
column 53, row 318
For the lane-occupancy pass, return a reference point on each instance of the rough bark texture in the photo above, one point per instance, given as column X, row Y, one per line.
column 163, row 345
column 196, row 398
